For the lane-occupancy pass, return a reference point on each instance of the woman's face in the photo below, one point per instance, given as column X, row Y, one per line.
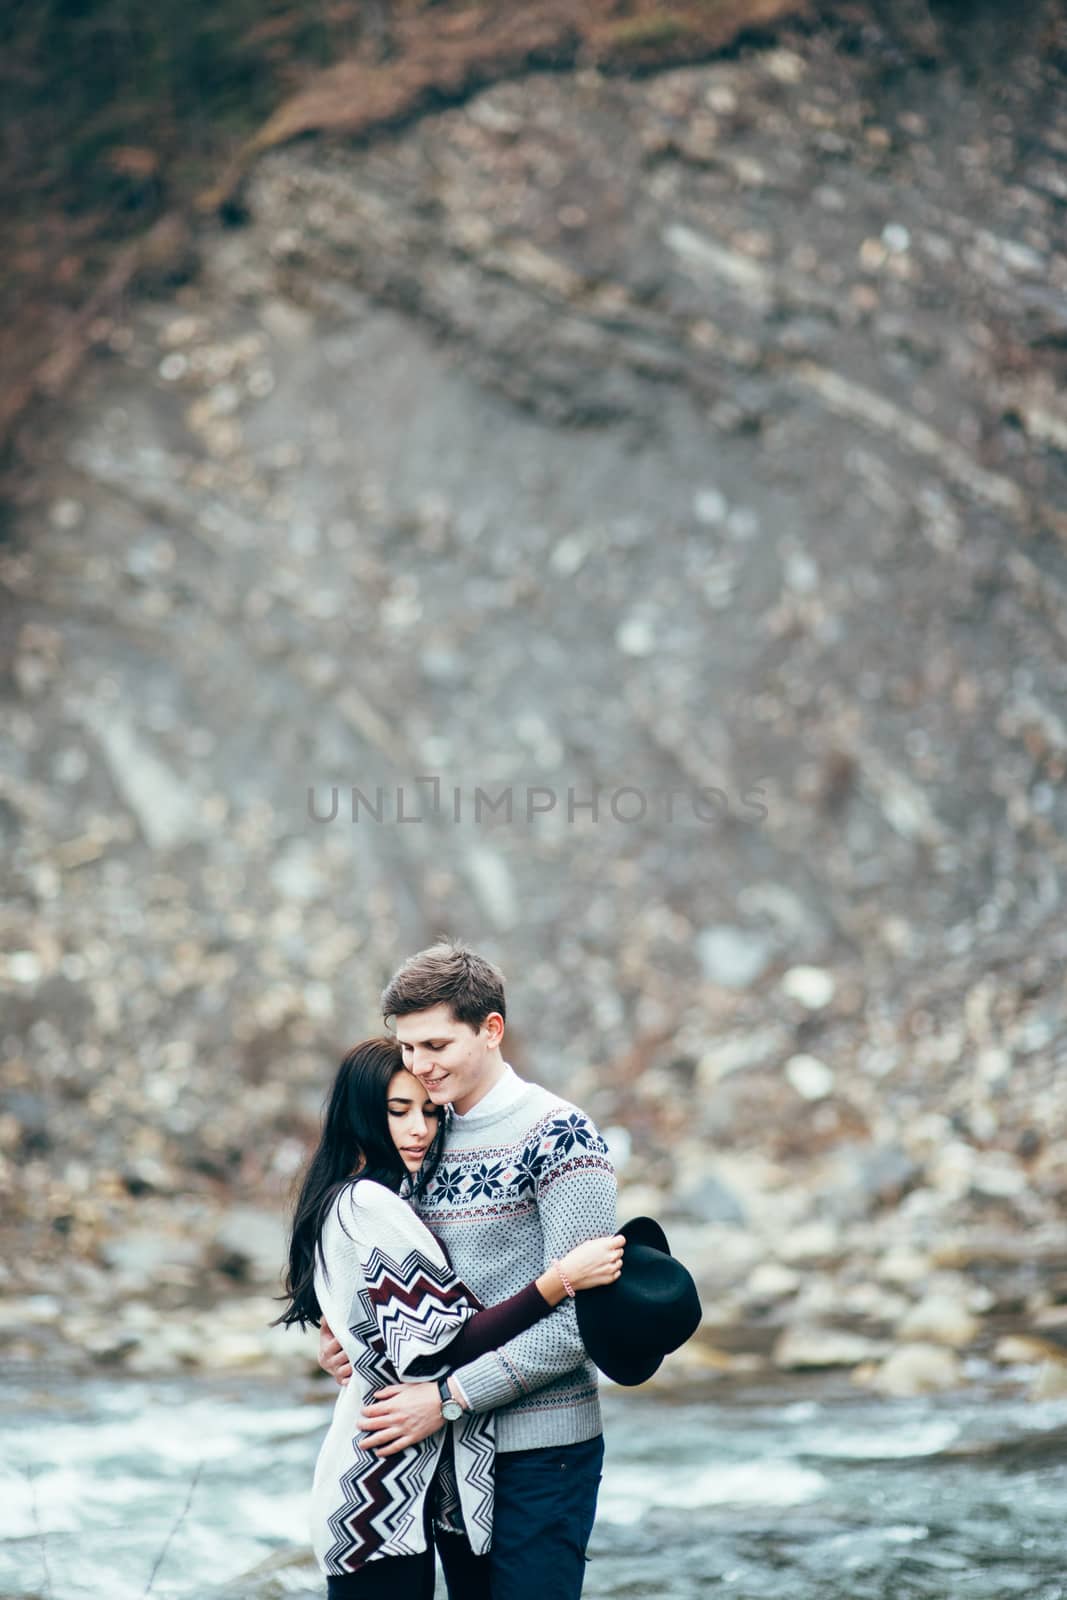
column 413, row 1118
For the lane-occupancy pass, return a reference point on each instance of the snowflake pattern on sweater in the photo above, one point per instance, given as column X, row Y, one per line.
column 501, row 1175
column 516, row 1188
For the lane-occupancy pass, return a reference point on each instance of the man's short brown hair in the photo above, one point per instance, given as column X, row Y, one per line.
column 447, row 973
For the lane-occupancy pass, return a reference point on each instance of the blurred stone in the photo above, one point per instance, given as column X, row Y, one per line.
column 749, row 1049
column 772, row 1280
column 636, row 636
column 810, row 1347
column 733, row 957
column 166, row 809
column 1050, row 1383
column 812, row 987
column 284, row 1575
column 874, row 1178
column 619, row 1141
column 139, row 1255
column 713, row 1201
column 939, row 1319
column 811, row 1078
column 885, row 1174
column 904, row 1265
column 917, row 1369
column 1017, row 1350
column 250, row 1244
column 297, row 873
column 811, row 1241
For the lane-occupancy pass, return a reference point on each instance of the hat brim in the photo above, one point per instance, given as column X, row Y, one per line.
column 645, row 1230
column 628, row 1374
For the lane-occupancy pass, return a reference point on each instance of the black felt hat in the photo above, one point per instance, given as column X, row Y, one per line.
column 652, row 1308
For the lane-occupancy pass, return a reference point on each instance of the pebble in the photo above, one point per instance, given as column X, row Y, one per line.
column 710, row 507
column 733, row 957
column 811, row 1078
column 24, row 966
column 1016, row 1350
column 940, row 1319
column 799, row 1348
column 772, row 1280
column 1050, row 1383
column 811, row 987
column 67, row 514
column 636, row 636
column 917, row 1369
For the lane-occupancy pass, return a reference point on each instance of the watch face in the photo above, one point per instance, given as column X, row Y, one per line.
column 451, row 1410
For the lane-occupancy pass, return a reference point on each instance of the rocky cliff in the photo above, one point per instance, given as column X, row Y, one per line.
column 649, row 495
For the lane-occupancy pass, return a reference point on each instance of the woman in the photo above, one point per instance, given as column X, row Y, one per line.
column 360, row 1256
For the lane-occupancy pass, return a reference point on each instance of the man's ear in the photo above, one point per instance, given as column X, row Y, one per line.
column 493, row 1027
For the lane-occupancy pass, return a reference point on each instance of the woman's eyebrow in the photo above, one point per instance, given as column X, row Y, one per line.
column 399, row 1100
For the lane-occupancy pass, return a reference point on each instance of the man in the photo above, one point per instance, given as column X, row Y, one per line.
column 524, row 1177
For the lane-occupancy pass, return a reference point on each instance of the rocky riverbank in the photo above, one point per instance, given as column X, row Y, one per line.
column 695, row 440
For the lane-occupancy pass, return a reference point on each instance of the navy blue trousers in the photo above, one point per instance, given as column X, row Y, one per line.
column 543, row 1515
column 390, row 1578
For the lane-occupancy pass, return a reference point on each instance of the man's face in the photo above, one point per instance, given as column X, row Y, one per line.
column 450, row 1060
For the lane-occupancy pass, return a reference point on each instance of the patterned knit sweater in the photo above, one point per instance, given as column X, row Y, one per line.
column 517, row 1187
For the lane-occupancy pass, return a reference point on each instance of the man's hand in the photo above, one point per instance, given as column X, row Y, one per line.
column 332, row 1358
column 400, row 1416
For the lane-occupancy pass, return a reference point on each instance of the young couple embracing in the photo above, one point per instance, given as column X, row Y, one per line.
column 454, row 1227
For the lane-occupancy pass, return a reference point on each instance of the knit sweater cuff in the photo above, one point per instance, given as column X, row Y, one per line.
column 490, row 1381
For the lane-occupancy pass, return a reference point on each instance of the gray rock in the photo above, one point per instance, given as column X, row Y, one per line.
column 734, row 957
column 751, row 1048
column 284, row 1575
column 811, row 1078
column 712, row 1201
column 917, row 1369
column 809, row 1347
column 812, row 987
column 139, row 1255
column 879, row 1176
column 166, row 808
column 250, row 1244
column 940, row 1319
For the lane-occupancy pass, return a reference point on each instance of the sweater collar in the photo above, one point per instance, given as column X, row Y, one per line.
column 504, row 1093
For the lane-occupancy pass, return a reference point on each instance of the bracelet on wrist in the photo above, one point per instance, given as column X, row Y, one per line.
column 563, row 1278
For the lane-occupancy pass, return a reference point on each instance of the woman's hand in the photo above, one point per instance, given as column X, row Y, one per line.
column 332, row 1358
column 594, row 1263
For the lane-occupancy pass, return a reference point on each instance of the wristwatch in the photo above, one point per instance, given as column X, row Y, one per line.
column 451, row 1409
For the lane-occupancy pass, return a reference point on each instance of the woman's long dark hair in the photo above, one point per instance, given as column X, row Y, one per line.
column 355, row 1135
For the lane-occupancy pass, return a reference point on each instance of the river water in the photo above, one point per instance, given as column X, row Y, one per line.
column 806, row 1492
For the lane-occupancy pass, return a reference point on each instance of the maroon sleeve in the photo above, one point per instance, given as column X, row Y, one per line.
column 488, row 1329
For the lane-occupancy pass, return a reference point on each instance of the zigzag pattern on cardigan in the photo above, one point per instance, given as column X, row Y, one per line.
column 409, row 1307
